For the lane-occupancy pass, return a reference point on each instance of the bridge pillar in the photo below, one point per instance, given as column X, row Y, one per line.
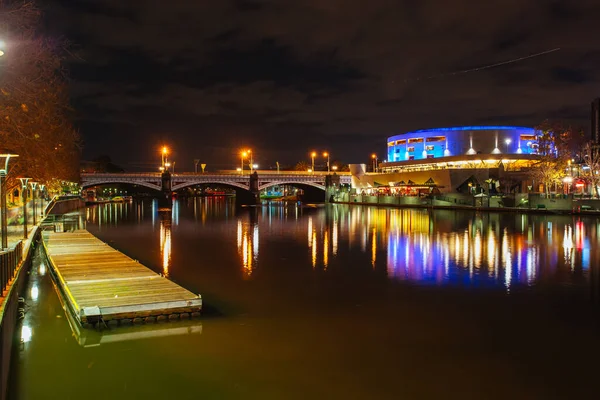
column 165, row 200
column 332, row 184
column 254, row 187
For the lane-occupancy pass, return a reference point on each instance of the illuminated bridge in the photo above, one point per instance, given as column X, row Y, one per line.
column 266, row 179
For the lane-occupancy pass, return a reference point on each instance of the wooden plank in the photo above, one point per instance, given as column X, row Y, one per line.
column 101, row 282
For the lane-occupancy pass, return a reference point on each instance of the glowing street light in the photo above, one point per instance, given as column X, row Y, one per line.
column 42, row 187
column 24, row 196
column 164, row 153
column 244, row 154
column 507, row 141
column 374, row 157
column 312, row 156
column 3, row 217
column 326, row 154
column 33, row 187
column 335, row 167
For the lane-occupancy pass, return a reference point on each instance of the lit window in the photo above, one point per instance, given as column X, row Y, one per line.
column 417, row 140
column 410, row 149
column 429, row 148
column 436, row 139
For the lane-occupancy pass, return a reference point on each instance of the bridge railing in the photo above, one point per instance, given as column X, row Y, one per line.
column 220, row 172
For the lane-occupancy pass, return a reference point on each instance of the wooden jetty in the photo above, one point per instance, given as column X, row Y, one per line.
column 100, row 283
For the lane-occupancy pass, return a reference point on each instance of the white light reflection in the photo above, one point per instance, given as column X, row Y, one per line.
column 506, row 257
column 568, row 245
column 42, row 269
column 26, row 334
column 34, row 292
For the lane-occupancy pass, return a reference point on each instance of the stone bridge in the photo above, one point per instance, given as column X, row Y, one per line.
column 153, row 180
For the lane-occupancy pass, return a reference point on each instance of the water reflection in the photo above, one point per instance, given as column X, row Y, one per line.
column 247, row 245
column 437, row 247
column 165, row 242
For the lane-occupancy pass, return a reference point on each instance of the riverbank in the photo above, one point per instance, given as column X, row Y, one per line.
column 533, row 203
column 518, row 210
column 15, row 263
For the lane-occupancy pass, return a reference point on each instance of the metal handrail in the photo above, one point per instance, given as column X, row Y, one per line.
column 9, row 262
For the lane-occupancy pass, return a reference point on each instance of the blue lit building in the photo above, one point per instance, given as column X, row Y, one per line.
column 464, row 140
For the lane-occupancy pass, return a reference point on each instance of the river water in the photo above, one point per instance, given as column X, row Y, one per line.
column 345, row 302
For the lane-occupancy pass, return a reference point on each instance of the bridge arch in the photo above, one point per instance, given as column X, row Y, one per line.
column 211, row 182
column 294, row 183
column 86, row 184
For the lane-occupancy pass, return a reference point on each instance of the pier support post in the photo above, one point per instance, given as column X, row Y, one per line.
column 332, row 184
column 165, row 183
column 254, row 187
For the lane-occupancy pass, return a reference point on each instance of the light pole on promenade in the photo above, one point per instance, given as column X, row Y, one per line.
column 3, row 219
column 374, row 157
column 42, row 187
column 33, row 187
column 312, row 157
column 326, row 154
column 24, row 189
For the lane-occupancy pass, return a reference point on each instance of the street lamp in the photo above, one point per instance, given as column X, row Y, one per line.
column 3, row 173
column 165, row 152
column 374, row 157
column 33, row 187
column 42, row 187
column 326, row 154
column 335, row 167
column 312, row 156
column 243, row 154
column 24, row 195
column 507, row 142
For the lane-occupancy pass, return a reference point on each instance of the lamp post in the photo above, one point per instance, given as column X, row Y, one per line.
column 196, row 162
column 326, row 154
column 3, row 220
column 507, row 142
column 277, row 162
column 24, row 188
column 243, row 154
column 33, row 187
column 312, row 156
column 374, row 157
column 42, row 187
column 164, row 153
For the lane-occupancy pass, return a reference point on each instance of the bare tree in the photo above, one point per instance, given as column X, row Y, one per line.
column 34, row 102
column 591, row 159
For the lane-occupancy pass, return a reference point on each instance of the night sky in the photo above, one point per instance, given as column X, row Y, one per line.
column 285, row 77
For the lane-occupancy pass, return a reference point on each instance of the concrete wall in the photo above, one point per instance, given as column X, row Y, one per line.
column 537, row 201
column 66, row 206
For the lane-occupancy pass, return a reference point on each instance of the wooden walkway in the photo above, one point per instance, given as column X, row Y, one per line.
column 101, row 283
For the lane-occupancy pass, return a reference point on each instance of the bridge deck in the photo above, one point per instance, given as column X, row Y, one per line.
column 100, row 282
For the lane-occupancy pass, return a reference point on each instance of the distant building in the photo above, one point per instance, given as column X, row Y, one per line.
column 595, row 132
column 459, row 159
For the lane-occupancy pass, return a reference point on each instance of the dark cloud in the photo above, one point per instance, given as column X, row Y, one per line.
column 286, row 77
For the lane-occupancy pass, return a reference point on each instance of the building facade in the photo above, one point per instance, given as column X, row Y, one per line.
column 466, row 159
column 463, row 140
